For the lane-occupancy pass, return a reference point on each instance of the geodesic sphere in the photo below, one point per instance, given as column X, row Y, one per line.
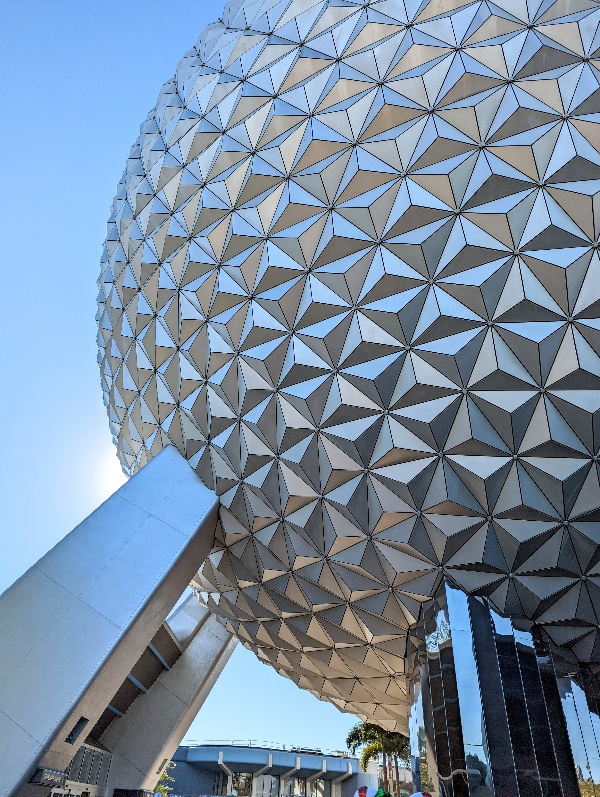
column 352, row 274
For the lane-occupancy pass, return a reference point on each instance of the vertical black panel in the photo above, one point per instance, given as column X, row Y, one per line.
column 496, row 720
column 500, row 719
column 560, row 738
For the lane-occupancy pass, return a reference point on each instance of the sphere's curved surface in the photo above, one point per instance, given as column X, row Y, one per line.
column 352, row 274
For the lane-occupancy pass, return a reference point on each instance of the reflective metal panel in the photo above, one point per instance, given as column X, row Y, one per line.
column 579, row 692
column 352, row 273
column 483, row 701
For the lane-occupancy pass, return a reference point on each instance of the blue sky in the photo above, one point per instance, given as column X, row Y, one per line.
column 77, row 78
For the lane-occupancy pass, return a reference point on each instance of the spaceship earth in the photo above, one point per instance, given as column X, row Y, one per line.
column 351, row 273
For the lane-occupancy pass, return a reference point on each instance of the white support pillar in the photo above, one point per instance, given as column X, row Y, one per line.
column 227, row 771
column 320, row 774
column 261, row 771
column 336, row 789
column 74, row 625
column 145, row 739
column 283, row 777
column 344, row 775
column 316, row 775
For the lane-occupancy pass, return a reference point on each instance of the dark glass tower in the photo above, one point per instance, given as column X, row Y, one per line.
column 496, row 708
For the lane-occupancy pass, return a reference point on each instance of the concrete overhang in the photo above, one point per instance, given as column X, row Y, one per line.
column 279, row 762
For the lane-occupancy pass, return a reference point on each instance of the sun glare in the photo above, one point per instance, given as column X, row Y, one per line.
column 109, row 474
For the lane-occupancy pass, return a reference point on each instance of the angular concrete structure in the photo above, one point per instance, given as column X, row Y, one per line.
column 352, row 274
column 147, row 736
column 82, row 623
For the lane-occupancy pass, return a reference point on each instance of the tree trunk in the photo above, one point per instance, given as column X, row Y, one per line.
column 385, row 772
column 396, row 767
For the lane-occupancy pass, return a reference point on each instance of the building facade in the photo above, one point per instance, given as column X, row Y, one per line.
column 269, row 771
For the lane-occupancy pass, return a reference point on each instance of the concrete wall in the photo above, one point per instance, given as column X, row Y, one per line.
column 151, row 730
column 189, row 779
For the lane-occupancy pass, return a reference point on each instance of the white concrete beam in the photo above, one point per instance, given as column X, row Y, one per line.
column 320, row 774
column 147, row 736
column 73, row 626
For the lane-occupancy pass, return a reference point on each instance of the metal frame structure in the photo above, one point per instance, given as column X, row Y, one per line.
column 351, row 274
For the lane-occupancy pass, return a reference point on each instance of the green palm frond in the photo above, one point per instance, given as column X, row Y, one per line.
column 370, row 752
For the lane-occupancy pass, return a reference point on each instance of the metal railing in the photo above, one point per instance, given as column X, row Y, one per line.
column 288, row 748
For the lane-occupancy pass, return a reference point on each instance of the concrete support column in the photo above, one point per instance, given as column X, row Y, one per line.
column 285, row 775
column 262, row 771
column 336, row 783
column 73, row 626
column 227, row 771
column 147, row 736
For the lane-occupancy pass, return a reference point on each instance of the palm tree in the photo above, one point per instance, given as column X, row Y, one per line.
column 399, row 749
column 376, row 741
column 371, row 737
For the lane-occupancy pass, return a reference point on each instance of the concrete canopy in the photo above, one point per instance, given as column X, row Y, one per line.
column 352, row 274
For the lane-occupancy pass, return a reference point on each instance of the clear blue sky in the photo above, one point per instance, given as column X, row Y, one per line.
column 76, row 79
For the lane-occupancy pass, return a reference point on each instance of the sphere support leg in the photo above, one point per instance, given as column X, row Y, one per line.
column 84, row 635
